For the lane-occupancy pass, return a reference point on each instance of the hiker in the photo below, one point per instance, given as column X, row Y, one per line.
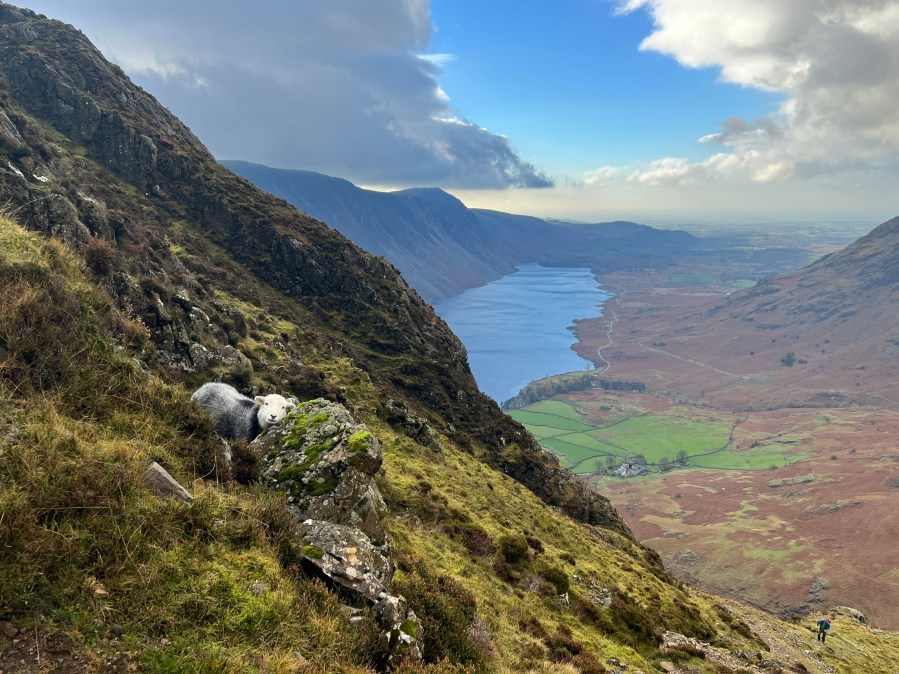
column 823, row 629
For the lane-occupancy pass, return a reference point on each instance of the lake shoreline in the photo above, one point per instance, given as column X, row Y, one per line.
column 522, row 328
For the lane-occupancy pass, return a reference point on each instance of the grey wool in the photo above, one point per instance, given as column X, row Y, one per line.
column 238, row 417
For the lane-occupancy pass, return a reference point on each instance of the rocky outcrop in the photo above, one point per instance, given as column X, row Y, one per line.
column 325, row 462
column 853, row 613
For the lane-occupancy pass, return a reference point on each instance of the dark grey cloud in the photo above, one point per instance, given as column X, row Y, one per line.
column 337, row 86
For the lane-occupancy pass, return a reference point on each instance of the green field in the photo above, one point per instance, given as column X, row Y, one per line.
column 588, row 448
column 557, row 408
column 551, row 421
column 742, row 283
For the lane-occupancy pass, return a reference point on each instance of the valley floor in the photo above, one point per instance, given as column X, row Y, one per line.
column 790, row 508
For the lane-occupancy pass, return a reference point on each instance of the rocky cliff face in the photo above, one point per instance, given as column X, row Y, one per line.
column 188, row 248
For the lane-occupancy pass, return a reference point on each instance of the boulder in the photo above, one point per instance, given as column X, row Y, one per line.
column 325, row 462
column 346, row 558
column 403, row 635
column 158, row 480
column 853, row 613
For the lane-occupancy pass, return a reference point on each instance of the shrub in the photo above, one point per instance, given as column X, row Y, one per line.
column 633, row 624
column 562, row 646
column 568, row 558
column 244, row 462
column 531, row 625
column 586, row 663
column 556, row 576
column 99, row 254
column 534, row 543
column 474, row 538
column 446, row 610
column 505, row 571
column 443, row 667
column 564, row 649
column 512, row 547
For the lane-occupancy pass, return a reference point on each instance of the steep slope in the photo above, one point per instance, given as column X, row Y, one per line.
column 434, row 240
column 187, row 247
column 826, row 334
column 443, row 248
column 96, row 574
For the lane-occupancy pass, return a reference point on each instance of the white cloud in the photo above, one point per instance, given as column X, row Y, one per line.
column 601, row 176
column 439, row 60
column 836, row 62
column 341, row 86
column 669, row 171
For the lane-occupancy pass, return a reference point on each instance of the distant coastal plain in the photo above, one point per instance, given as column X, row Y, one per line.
column 519, row 328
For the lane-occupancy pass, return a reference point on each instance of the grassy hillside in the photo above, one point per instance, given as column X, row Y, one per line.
column 98, row 572
column 155, row 269
column 91, row 562
column 91, row 555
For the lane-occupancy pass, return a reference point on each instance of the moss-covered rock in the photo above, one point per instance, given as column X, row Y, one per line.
column 325, row 461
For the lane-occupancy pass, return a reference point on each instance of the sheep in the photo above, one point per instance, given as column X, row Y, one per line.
column 238, row 417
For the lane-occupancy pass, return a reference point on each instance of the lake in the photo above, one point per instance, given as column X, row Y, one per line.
column 519, row 328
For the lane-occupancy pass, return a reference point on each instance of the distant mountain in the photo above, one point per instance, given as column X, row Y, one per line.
column 826, row 334
column 441, row 246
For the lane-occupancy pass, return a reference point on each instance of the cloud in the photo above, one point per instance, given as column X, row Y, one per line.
column 600, row 177
column 669, row 171
column 340, row 86
column 835, row 62
column 738, row 130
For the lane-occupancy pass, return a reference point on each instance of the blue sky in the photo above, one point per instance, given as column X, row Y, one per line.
column 567, row 82
column 662, row 111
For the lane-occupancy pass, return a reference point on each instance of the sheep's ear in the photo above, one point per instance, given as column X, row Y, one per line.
column 291, row 405
column 259, row 399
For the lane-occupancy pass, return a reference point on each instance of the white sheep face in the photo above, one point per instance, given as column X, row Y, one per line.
column 273, row 408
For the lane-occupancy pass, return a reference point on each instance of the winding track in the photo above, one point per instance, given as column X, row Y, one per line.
column 599, row 355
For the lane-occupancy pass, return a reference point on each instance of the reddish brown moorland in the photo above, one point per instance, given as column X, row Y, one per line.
column 817, row 349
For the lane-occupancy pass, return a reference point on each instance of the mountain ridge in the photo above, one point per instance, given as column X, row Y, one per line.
column 442, row 247
column 834, row 316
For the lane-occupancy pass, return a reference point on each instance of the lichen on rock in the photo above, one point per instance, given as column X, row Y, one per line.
column 325, row 461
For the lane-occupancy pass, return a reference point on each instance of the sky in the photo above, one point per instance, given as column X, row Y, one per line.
column 660, row 111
